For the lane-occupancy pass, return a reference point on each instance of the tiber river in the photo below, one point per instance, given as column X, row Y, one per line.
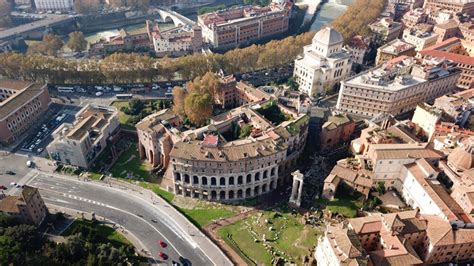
column 329, row 11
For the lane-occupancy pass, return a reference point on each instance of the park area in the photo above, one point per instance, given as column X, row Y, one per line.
column 264, row 236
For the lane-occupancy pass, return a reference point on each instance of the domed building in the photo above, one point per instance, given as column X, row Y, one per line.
column 324, row 62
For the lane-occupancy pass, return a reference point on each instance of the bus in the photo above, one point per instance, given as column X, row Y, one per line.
column 124, row 96
column 65, row 89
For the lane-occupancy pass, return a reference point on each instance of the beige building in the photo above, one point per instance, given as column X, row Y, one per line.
column 458, row 6
column 427, row 117
column 420, row 38
column 403, row 238
column 22, row 104
column 397, row 86
column 392, row 50
column 357, row 47
column 177, row 41
column 81, row 142
column 386, row 29
column 244, row 25
column 27, row 206
column 459, row 51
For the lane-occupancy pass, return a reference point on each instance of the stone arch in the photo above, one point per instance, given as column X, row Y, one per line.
column 265, row 174
column 256, row 190
column 177, row 176
column 213, row 195
column 272, row 172
column 249, row 178
column 264, row 188
column 222, row 195
column 204, row 181
column 195, row 179
column 231, row 181
column 186, row 179
column 222, row 181
column 213, row 181
column 240, row 180
column 205, row 194
column 231, row 194
column 152, row 155
column 240, row 194
column 257, row 176
column 272, row 185
column 248, row 192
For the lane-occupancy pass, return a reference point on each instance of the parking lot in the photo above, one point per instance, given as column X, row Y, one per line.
column 40, row 135
column 12, row 170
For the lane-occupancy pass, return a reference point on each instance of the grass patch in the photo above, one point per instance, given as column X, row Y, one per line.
column 346, row 205
column 204, row 216
column 129, row 163
column 102, row 233
column 166, row 195
column 288, row 238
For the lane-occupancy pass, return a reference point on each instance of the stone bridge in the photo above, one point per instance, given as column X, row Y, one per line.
column 168, row 15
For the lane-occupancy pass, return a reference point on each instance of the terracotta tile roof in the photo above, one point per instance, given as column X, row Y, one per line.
column 365, row 225
column 463, row 59
column 10, row 204
column 440, row 232
column 400, row 151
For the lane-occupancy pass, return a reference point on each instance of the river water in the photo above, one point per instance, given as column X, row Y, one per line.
column 329, row 11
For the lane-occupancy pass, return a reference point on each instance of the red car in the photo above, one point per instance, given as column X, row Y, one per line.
column 163, row 256
column 162, row 244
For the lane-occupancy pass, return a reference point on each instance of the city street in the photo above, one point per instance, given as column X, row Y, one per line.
column 148, row 222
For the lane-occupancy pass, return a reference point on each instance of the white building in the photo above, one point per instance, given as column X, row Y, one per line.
column 357, row 47
column 323, row 63
column 420, row 39
column 81, row 142
column 397, row 86
column 177, row 41
column 54, row 5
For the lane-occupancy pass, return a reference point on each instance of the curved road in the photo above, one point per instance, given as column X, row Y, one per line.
column 147, row 221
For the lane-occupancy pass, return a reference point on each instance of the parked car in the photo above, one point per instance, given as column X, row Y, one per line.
column 162, row 244
column 163, row 256
column 99, row 93
column 10, row 172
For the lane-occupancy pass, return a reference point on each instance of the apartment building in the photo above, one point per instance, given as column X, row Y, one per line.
column 457, row 106
column 26, row 205
column 414, row 17
column 357, row 47
column 421, row 36
column 392, row 50
column 54, row 5
column 403, row 238
column 335, row 131
column 458, row 51
column 82, row 141
column 397, row 86
column 22, row 104
column 386, row 29
column 244, row 25
column 323, row 63
column 177, row 41
column 124, row 40
column 446, row 30
column 457, row 6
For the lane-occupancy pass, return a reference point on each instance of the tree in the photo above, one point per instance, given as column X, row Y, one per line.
column 86, row 6
column 380, row 188
column 76, row 41
column 136, row 106
column 179, row 96
column 50, row 45
column 198, row 108
column 245, row 131
column 209, row 83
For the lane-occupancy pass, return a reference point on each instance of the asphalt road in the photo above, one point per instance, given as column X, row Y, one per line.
column 132, row 212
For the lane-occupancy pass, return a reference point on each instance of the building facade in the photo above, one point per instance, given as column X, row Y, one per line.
column 397, row 86
column 21, row 106
column 386, row 30
column 458, row 6
column 54, row 5
column 323, row 63
column 80, row 143
column 421, row 39
column 26, row 205
column 177, row 41
column 392, row 50
column 357, row 47
column 244, row 25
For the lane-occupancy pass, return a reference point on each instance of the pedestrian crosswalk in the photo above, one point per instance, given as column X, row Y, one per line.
column 85, row 200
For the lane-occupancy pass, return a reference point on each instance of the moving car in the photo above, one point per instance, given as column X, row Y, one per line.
column 162, row 244
column 10, row 172
column 163, row 256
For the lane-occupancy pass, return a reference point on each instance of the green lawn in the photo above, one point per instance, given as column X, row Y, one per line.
column 204, row 216
column 288, row 238
column 129, row 163
column 168, row 196
column 346, row 206
column 104, row 234
column 123, row 117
